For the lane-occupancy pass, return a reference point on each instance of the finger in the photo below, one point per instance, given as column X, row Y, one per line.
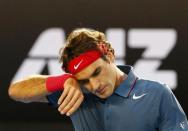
column 75, row 106
column 66, row 100
column 63, row 95
column 76, row 96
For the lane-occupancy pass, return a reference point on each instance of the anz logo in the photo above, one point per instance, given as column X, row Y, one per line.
column 158, row 43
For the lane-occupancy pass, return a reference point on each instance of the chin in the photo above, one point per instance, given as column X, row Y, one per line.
column 105, row 95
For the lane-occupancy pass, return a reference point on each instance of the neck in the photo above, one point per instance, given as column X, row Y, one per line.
column 120, row 77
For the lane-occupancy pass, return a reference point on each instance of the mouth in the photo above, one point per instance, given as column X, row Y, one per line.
column 101, row 90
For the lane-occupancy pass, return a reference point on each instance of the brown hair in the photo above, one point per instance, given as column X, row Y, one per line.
column 79, row 41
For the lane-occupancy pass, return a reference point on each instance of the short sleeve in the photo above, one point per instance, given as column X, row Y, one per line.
column 172, row 116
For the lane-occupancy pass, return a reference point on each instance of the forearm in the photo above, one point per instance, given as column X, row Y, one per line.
column 30, row 89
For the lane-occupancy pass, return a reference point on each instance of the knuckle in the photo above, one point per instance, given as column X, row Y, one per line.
column 68, row 106
column 71, row 103
column 63, row 105
column 65, row 109
column 60, row 111
column 73, row 89
column 60, row 108
column 79, row 92
column 59, row 100
column 65, row 101
column 82, row 96
column 62, row 96
column 72, row 109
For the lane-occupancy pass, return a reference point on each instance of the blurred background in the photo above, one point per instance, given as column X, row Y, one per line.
column 149, row 35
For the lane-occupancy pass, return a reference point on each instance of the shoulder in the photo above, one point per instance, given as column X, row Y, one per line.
column 153, row 87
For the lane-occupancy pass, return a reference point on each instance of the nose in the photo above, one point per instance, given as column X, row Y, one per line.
column 95, row 84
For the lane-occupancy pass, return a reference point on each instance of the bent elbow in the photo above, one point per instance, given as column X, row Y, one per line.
column 12, row 92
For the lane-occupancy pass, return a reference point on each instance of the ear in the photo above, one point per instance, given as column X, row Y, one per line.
column 110, row 56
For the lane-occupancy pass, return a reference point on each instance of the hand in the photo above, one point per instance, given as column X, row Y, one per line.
column 71, row 98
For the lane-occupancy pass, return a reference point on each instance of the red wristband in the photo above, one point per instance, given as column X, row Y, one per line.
column 56, row 83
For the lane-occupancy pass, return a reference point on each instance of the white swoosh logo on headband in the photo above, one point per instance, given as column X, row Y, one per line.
column 76, row 66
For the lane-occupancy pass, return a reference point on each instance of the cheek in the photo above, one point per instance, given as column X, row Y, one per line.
column 111, row 76
column 88, row 88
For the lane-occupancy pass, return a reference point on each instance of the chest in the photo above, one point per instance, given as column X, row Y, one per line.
column 118, row 114
column 133, row 113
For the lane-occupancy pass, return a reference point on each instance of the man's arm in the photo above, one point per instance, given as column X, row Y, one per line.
column 36, row 88
column 29, row 89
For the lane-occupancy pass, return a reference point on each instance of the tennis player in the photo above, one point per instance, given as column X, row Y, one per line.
column 98, row 95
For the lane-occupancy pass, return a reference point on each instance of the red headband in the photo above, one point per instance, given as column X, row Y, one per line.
column 83, row 60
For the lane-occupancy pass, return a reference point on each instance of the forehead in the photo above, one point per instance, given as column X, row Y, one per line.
column 89, row 70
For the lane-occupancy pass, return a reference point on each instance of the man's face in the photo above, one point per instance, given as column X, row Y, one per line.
column 98, row 78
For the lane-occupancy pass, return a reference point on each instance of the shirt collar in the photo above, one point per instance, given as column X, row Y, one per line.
column 127, row 85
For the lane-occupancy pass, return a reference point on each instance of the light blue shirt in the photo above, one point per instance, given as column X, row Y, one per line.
column 136, row 105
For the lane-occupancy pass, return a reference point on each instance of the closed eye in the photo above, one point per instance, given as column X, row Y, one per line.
column 96, row 72
column 86, row 81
